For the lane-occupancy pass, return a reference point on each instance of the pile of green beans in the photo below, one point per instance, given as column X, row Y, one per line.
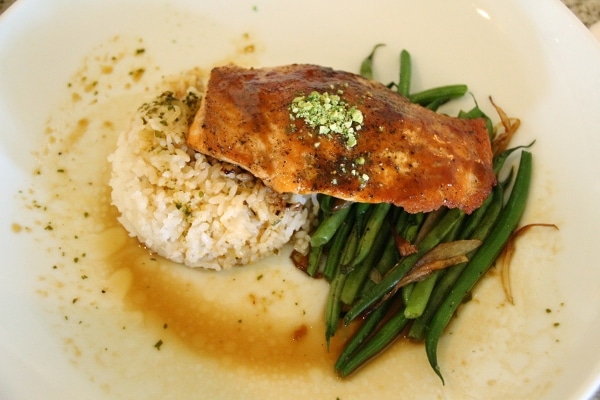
column 354, row 248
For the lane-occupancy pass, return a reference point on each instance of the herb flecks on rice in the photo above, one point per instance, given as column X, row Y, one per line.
column 191, row 208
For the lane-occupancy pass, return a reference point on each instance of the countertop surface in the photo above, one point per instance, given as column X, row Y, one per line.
column 588, row 11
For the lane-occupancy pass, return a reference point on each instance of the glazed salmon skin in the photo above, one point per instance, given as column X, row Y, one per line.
column 309, row 129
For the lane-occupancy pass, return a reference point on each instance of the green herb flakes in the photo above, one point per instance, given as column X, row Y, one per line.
column 328, row 115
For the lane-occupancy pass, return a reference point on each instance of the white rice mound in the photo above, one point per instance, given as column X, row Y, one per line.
column 193, row 209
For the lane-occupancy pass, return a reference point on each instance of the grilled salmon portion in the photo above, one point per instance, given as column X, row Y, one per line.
column 310, row 129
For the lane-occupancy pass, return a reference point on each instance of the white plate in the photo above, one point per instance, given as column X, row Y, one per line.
column 65, row 332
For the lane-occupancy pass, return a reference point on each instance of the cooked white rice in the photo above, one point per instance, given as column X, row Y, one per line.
column 190, row 208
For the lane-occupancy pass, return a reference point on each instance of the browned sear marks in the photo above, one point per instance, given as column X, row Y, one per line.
column 405, row 154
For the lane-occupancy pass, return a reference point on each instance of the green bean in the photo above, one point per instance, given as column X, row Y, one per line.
column 417, row 329
column 456, row 230
column 384, row 336
column 339, row 241
column 482, row 260
column 350, row 248
column 334, row 303
column 402, row 220
column 475, row 218
column 314, row 259
column 429, row 221
column 421, row 292
column 442, row 92
column 408, row 226
column 327, row 228
column 414, row 227
column 389, row 257
column 362, row 333
column 489, row 220
column 333, row 306
column 366, row 67
column 396, row 216
column 437, row 103
column 500, row 159
column 419, row 296
column 393, row 277
column 405, row 73
column 406, row 292
column 475, row 113
column 362, row 212
column 328, row 225
column 325, row 202
column 371, row 231
column 360, row 273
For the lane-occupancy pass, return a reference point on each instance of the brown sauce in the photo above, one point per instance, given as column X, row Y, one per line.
column 172, row 296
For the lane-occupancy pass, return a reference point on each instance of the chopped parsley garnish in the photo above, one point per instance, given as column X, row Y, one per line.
column 328, row 114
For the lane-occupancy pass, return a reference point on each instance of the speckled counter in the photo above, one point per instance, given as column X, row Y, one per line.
column 588, row 11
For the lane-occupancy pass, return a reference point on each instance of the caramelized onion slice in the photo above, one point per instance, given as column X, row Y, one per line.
column 404, row 246
column 300, row 260
column 442, row 256
column 510, row 125
column 507, row 254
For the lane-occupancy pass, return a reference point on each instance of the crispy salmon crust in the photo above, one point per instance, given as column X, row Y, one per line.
column 405, row 154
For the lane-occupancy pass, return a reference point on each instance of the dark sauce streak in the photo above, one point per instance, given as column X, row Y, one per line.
column 164, row 292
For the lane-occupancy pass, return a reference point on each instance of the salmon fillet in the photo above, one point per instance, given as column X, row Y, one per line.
column 393, row 151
